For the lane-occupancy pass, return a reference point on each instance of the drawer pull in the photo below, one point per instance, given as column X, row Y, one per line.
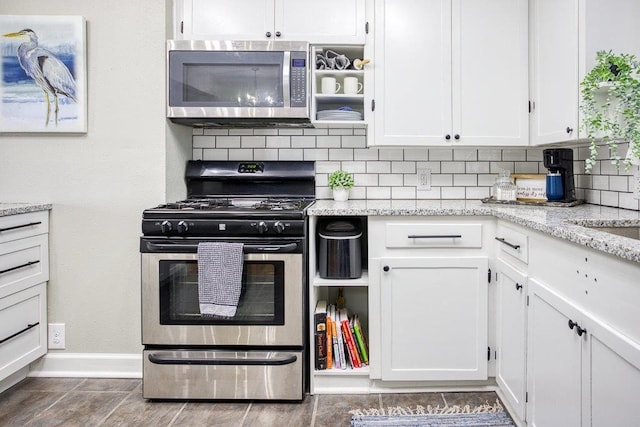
column 511, row 245
column 29, row 326
column 20, row 226
column 434, row 236
column 164, row 359
column 19, row 266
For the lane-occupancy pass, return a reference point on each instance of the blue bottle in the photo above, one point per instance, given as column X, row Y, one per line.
column 554, row 186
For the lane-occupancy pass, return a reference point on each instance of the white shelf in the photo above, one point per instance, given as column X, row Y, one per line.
column 339, row 97
column 342, row 283
column 339, row 72
column 349, row 372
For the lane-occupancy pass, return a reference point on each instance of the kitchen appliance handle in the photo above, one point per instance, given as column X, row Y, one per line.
column 511, row 245
column 289, row 247
column 164, row 359
column 434, row 236
column 27, row 264
column 20, row 226
column 29, row 326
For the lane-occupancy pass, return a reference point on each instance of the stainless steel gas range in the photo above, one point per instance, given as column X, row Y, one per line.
column 259, row 351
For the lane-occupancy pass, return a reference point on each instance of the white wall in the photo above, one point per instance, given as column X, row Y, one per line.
column 100, row 182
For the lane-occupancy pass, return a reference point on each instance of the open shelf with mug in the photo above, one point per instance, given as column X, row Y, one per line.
column 338, row 85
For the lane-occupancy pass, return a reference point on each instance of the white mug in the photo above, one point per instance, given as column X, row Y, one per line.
column 352, row 86
column 330, row 85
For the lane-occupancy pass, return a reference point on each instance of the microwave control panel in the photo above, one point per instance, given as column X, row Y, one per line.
column 298, row 79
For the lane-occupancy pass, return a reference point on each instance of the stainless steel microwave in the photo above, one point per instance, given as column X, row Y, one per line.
column 252, row 83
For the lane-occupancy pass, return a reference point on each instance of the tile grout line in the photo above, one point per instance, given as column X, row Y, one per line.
column 246, row 412
column 58, row 400
column 117, row 406
column 175, row 417
column 315, row 411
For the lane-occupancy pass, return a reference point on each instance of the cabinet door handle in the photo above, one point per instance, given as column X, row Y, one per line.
column 434, row 236
column 29, row 326
column 580, row 331
column 20, row 226
column 456, row 136
column 268, row 34
column 572, row 324
column 447, row 137
column 385, row 268
column 518, row 286
column 278, row 34
column 569, row 129
column 19, row 266
column 511, row 245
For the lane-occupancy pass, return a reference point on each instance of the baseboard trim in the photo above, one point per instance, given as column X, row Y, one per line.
column 87, row 365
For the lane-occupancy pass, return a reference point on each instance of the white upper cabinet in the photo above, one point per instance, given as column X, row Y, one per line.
column 451, row 72
column 330, row 21
column 565, row 36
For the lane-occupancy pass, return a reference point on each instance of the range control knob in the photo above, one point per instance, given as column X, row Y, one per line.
column 262, row 227
column 166, row 227
column 278, row 227
column 183, row 227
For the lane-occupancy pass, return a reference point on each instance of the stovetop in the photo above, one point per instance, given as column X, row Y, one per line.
column 235, row 204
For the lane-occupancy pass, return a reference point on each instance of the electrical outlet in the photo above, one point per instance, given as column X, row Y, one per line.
column 424, row 179
column 56, row 336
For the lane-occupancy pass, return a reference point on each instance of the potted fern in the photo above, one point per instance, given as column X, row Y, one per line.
column 340, row 182
column 610, row 106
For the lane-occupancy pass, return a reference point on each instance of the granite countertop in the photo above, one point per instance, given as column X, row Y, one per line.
column 561, row 222
column 19, row 208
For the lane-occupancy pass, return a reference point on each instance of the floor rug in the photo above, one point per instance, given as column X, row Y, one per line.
column 430, row 416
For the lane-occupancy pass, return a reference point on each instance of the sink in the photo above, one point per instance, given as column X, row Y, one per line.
column 632, row 231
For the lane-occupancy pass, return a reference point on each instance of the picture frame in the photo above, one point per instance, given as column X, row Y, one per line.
column 531, row 187
column 43, row 86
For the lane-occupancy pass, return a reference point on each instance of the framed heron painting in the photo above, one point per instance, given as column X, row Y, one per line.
column 43, row 70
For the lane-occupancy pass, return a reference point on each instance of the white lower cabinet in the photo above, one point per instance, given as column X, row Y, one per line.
column 581, row 372
column 511, row 337
column 24, row 272
column 434, row 318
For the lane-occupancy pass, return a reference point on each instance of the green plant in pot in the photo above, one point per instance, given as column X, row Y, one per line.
column 340, row 182
column 610, row 106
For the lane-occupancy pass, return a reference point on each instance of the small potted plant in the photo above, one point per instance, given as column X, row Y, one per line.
column 610, row 106
column 340, row 182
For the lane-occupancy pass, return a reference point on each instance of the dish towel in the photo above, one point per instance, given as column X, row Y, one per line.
column 219, row 277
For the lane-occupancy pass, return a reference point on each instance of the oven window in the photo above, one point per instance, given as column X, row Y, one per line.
column 261, row 299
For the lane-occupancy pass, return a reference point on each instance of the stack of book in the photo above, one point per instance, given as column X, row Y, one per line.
column 339, row 340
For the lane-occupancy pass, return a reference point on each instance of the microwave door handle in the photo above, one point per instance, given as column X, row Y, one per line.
column 286, row 73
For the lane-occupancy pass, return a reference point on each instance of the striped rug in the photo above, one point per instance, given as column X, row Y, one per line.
column 433, row 416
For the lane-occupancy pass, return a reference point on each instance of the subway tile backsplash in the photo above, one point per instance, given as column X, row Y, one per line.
column 391, row 173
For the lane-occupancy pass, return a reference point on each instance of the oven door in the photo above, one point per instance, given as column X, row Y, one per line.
column 270, row 310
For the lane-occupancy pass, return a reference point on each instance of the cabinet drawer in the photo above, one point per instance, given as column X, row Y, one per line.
column 436, row 235
column 14, row 227
column 23, row 335
column 513, row 243
column 23, row 263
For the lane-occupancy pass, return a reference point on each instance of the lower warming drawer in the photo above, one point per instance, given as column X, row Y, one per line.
column 208, row 374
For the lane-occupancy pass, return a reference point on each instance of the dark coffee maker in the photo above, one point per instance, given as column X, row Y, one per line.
column 560, row 160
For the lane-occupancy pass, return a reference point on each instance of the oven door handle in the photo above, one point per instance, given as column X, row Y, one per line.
column 167, row 359
column 163, row 247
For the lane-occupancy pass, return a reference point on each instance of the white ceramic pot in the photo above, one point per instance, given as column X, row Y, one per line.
column 340, row 194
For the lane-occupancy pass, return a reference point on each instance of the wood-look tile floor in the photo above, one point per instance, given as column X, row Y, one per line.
column 118, row 402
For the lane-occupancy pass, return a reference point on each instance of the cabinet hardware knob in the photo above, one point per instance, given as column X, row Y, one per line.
column 268, row 34
column 385, row 268
column 569, row 129
column 580, row 331
column 278, row 34
column 572, row 324
column 447, row 137
column 518, row 286
column 456, row 136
